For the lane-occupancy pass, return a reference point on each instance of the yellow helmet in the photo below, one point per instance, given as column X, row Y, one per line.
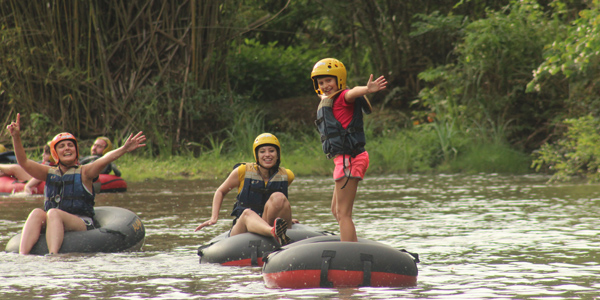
column 329, row 67
column 51, row 160
column 61, row 137
column 266, row 139
column 2, row 148
column 109, row 145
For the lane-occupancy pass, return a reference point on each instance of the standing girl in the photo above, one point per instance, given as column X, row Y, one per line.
column 340, row 124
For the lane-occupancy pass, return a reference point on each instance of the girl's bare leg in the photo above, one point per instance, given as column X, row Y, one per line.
column 344, row 202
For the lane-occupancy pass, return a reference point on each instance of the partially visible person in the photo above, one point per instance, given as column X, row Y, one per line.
column 340, row 124
column 262, row 197
column 69, row 196
column 101, row 146
column 16, row 171
column 47, row 159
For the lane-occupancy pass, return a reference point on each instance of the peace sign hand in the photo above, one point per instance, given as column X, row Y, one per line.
column 14, row 128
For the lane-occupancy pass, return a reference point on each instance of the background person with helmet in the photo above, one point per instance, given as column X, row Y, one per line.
column 47, row 159
column 340, row 124
column 69, row 196
column 262, row 197
column 20, row 174
column 101, row 146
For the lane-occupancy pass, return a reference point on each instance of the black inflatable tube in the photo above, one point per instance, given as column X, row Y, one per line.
column 8, row 157
column 248, row 249
column 321, row 262
column 118, row 230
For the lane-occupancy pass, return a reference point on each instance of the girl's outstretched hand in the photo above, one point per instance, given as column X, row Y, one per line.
column 377, row 84
column 14, row 128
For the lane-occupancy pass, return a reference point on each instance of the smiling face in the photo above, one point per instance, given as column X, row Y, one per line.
column 267, row 156
column 327, row 84
column 67, row 152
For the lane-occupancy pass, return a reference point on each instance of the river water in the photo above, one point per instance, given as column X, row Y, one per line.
column 479, row 237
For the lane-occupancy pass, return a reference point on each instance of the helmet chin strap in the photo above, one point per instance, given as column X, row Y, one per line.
column 68, row 167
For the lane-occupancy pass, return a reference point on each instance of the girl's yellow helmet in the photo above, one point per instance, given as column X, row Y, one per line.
column 329, row 67
column 266, row 139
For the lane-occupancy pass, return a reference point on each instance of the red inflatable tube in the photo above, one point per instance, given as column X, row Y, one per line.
column 326, row 263
column 106, row 182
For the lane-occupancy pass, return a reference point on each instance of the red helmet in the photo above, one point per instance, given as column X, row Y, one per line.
column 61, row 137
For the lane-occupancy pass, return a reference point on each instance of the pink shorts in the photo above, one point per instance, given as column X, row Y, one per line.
column 354, row 167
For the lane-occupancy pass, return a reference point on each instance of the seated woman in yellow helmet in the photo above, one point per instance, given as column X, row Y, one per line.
column 101, row 146
column 69, row 197
column 262, row 197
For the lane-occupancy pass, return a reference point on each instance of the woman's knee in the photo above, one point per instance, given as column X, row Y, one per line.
column 278, row 201
column 247, row 212
column 37, row 214
column 54, row 214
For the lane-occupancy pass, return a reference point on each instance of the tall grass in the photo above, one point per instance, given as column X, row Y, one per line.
column 91, row 67
column 490, row 158
column 413, row 150
column 247, row 125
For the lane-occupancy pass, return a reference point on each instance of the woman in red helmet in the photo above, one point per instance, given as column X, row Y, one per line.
column 69, row 196
column 262, row 197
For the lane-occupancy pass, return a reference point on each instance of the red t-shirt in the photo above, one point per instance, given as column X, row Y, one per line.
column 342, row 110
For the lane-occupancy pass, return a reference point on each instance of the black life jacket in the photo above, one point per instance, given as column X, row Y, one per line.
column 334, row 138
column 255, row 193
column 66, row 192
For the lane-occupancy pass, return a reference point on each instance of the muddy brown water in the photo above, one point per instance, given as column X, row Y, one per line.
column 481, row 236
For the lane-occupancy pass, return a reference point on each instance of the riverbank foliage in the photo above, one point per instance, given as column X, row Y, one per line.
column 474, row 86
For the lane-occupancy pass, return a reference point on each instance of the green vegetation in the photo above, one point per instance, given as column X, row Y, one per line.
column 578, row 153
column 474, row 86
column 417, row 150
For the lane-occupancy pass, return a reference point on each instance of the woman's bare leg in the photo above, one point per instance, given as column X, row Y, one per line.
column 31, row 230
column 58, row 222
column 277, row 206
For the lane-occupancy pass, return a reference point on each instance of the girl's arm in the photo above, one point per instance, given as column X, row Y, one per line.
column 371, row 87
column 31, row 186
column 93, row 169
column 31, row 167
column 230, row 183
